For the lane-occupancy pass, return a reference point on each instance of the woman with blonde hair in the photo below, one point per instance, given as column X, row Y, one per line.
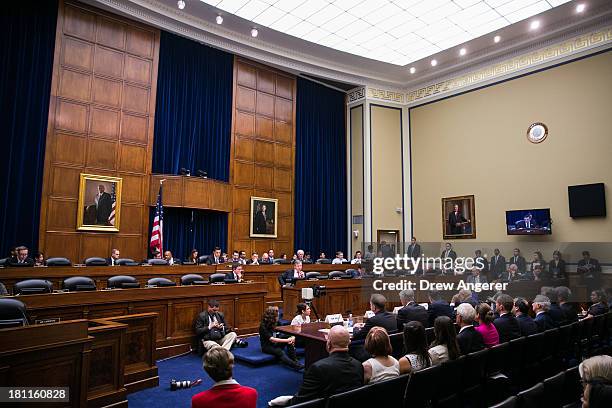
column 382, row 365
column 596, row 377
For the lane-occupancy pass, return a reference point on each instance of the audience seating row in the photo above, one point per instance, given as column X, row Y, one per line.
column 98, row 261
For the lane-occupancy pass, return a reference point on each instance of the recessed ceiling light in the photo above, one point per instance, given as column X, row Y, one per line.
column 496, row 39
column 462, row 52
column 412, row 70
column 535, row 24
column 180, row 4
column 434, row 62
column 254, row 32
column 219, row 20
column 580, row 8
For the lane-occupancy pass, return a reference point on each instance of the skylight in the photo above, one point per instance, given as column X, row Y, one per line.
column 394, row 31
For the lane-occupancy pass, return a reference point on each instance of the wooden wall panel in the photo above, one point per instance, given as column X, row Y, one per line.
column 100, row 122
column 263, row 152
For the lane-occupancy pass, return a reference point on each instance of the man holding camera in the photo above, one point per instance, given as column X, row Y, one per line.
column 212, row 331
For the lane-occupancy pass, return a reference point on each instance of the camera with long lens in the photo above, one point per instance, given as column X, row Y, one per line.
column 182, row 385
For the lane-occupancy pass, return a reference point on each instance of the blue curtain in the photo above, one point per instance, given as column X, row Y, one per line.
column 27, row 30
column 186, row 229
column 193, row 114
column 320, row 169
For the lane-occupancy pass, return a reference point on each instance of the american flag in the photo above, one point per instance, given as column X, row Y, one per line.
column 157, row 233
column 111, row 217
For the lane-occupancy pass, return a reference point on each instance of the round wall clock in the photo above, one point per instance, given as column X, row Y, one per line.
column 537, row 132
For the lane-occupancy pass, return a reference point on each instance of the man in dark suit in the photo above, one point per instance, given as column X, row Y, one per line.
column 381, row 318
column 236, row 274
column 518, row 260
column 414, row 249
column 438, row 307
column 476, row 276
column 457, row 221
column 215, row 258
column 506, row 324
column 211, row 329
column 447, row 254
column 497, row 265
column 170, row 259
column 334, row 374
column 554, row 311
column 541, row 305
column 260, row 222
column 411, row 311
column 104, row 206
column 569, row 311
column 21, row 257
column 291, row 275
column 590, row 271
column 481, row 260
column 526, row 223
column 115, row 255
column 468, row 338
column 526, row 323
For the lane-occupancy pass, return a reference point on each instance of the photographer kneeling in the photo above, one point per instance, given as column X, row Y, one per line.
column 212, row 331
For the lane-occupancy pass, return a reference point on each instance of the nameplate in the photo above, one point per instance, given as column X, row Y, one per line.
column 61, row 291
column 48, row 321
column 334, row 318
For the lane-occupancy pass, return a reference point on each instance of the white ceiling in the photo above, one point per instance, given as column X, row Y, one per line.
column 393, row 31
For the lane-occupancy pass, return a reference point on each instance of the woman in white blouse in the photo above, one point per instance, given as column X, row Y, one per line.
column 382, row 365
column 303, row 315
column 445, row 346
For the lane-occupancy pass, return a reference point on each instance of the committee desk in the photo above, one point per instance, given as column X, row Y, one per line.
column 100, row 274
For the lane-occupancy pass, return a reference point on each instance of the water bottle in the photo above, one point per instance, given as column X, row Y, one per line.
column 350, row 320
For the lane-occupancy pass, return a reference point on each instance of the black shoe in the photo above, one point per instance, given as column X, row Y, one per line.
column 241, row 343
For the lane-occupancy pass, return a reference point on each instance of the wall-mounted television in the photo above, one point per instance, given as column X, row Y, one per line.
column 528, row 222
column 587, row 200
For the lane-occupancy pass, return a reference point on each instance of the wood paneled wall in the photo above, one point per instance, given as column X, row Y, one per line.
column 101, row 119
column 263, row 152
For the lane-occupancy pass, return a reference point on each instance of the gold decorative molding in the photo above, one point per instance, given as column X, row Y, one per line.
column 386, row 95
column 551, row 53
column 356, row 95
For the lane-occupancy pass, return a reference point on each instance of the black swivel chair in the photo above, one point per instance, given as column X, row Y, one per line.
column 158, row 262
column 32, row 286
column 123, row 282
column 95, row 261
column 359, row 397
column 422, row 387
column 323, row 261
column 126, row 262
column 193, row 279
column 337, row 274
column 4, row 261
column 160, row 282
column 12, row 313
column 78, row 284
column 217, row 278
column 203, row 259
column 58, row 262
column 313, row 275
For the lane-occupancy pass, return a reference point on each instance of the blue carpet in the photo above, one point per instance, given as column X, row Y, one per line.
column 270, row 381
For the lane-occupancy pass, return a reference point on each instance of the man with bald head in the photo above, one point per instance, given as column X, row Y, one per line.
column 332, row 375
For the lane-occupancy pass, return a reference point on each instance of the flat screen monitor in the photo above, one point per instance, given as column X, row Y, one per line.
column 587, row 200
column 528, row 222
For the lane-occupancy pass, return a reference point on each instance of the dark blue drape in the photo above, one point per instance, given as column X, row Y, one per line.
column 320, row 169
column 27, row 31
column 193, row 114
column 186, row 229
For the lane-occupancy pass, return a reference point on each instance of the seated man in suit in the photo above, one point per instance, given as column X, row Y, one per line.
column 334, row 374
column 476, row 276
column 215, row 258
column 291, row 275
column 526, row 324
column 506, row 324
column 170, row 259
column 511, row 274
column 554, row 311
column 468, row 338
column 438, row 307
column 497, row 265
column 211, row 329
column 569, row 311
column 265, row 259
column 540, row 306
column 236, row 274
column 254, row 259
column 115, row 255
column 21, row 258
column 411, row 311
column 226, row 392
column 590, row 270
column 381, row 318
column 339, row 259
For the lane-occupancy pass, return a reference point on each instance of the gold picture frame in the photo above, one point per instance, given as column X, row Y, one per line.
column 465, row 227
column 263, row 220
column 97, row 211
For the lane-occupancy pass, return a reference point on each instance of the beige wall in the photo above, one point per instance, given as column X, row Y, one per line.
column 357, row 160
column 386, row 132
column 475, row 144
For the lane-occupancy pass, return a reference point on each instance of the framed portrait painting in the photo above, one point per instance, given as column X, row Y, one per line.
column 264, row 213
column 99, row 207
column 458, row 217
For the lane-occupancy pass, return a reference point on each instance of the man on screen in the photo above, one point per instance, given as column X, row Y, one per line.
column 527, row 222
column 457, row 221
